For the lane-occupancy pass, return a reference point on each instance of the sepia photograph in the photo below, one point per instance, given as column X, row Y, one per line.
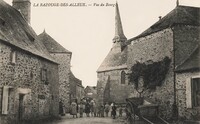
column 99, row 62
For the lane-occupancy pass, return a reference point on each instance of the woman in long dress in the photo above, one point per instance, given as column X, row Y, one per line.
column 81, row 108
column 74, row 109
column 87, row 109
column 114, row 108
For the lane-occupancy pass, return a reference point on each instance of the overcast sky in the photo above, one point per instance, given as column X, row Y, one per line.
column 88, row 31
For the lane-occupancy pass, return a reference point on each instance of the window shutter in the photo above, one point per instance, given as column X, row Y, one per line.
column 188, row 93
column 5, row 100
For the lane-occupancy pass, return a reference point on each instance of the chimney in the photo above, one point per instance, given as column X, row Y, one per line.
column 24, row 7
column 160, row 17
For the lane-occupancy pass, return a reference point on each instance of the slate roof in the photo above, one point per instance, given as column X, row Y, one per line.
column 52, row 45
column 114, row 60
column 73, row 79
column 191, row 63
column 15, row 31
column 180, row 15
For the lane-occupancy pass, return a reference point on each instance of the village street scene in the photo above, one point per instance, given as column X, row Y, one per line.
column 149, row 78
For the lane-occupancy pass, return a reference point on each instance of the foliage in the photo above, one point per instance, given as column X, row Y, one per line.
column 153, row 73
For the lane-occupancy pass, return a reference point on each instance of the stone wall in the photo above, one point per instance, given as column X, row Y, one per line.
column 110, row 89
column 79, row 92
column 25, row 75
column 64, row 70
column 184, row 111
column 154, row 48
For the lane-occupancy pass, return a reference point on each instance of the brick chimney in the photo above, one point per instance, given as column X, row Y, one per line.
column 24, row 6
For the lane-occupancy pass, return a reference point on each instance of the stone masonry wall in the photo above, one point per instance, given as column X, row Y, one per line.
column 79, row 93
column 154, row 48
column 42, row 101
column 112, row 90
column 184, row 112
column 64, row 70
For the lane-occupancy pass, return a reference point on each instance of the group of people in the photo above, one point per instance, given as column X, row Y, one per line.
column 91, row 108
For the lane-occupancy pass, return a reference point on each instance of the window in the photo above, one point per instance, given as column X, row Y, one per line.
column 196, row 92
column 13, row 57
column 44, row 76
column 123, row 77
column 193, row 92
column 6, row 103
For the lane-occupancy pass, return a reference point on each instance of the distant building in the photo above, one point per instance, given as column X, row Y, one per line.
column 29, row 83
column 91, row 92
column 171, row 43
column 76, row 88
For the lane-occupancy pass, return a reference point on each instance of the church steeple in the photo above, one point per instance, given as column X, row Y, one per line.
column 119, row 34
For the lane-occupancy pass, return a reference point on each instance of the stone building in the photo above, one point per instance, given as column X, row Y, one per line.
column 171, row 43
column 28, row 74
column 63, row 57
column 91, row 92
column 76, row 88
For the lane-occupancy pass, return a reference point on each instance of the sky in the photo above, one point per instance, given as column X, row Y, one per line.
column 88, row 31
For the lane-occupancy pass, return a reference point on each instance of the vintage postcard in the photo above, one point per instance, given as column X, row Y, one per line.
column 99, row 62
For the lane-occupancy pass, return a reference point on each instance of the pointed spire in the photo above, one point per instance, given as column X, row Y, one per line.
column 119, row 34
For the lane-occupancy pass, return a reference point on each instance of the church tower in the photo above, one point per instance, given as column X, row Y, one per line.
column 120, row 38
column 24, row 6
column 112, row 84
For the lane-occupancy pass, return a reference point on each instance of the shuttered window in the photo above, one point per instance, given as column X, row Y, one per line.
column 5, row 100
column 196, row 92
column 193, row 92
column 188, row 93
column 13, row 57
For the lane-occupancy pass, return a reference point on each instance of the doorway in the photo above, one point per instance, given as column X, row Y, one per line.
column 21, row 106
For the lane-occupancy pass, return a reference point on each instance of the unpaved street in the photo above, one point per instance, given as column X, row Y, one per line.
column 88, row 120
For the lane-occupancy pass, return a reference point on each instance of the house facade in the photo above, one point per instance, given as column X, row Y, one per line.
column 29, row 75
column 91, row 92
column 63, row 57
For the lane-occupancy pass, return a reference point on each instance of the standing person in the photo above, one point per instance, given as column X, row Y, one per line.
column 107, row 109
column 87, row 109
column 120, row 111
column 74, row 109
column 81, row 110
column 92, row 107
column 102, row 110
column 61, row 110
column 114, row 108
column 95, row 109
column 98, row 110
column 111, row 105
